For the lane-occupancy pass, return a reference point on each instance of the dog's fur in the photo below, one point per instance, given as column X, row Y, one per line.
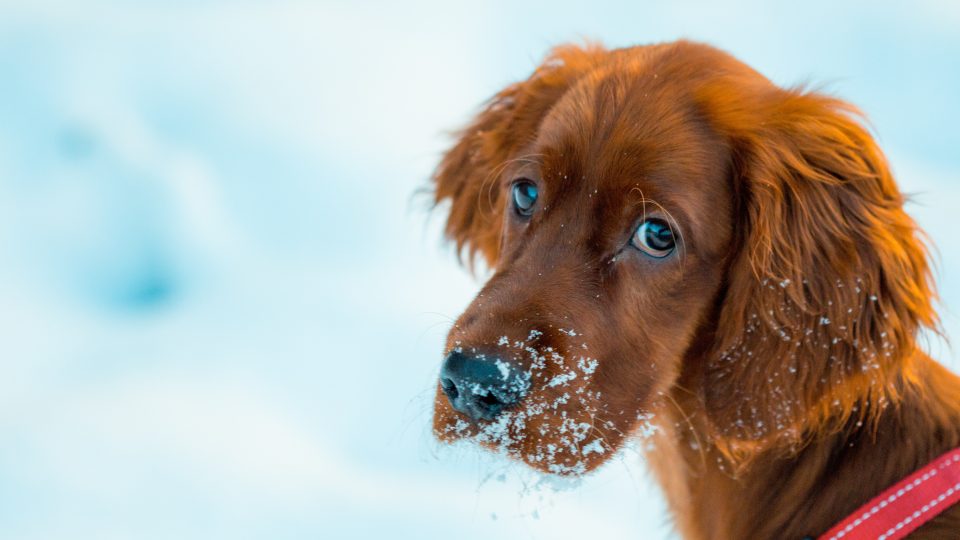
column 775, row 353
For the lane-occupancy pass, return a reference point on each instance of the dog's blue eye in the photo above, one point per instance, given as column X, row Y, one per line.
column 654, row 238
column 524, row 196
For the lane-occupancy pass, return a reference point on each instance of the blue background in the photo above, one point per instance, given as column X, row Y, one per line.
column 222, row 303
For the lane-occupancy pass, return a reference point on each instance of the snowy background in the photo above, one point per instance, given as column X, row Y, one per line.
column 221, row 304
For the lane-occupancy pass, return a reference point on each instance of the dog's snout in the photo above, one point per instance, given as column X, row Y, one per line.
column 480, row 386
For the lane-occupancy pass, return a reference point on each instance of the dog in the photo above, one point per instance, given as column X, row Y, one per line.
column 681, row 248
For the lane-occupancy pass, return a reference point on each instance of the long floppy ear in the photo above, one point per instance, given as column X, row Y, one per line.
column 468, row 174
column 829, row 287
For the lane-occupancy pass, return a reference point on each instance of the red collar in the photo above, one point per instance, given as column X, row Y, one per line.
column 903, row 507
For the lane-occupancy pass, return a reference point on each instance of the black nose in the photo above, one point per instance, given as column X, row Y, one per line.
column 481, row 387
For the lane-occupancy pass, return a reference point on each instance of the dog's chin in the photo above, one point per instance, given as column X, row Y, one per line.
column 556, row 444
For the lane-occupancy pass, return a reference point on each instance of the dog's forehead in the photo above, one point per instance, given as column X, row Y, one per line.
column 627, row 139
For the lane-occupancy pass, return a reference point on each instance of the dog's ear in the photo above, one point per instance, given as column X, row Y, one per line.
column 829, row 285
column 468, row 175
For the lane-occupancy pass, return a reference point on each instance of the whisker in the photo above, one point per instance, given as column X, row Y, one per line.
column 693, row 430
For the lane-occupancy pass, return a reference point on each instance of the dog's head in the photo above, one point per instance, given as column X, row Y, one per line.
column 661, row 216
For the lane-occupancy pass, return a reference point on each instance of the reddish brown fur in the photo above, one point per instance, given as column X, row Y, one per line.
column 777, row 352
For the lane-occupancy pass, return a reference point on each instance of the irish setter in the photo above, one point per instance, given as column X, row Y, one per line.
column 681, row 247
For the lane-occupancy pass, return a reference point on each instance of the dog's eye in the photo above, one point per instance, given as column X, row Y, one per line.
column 524, row 196
column 654, row 238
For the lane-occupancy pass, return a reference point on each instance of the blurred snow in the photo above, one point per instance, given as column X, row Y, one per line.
column 222, row 303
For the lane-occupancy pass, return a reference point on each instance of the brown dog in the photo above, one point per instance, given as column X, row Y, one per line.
column 679, row 243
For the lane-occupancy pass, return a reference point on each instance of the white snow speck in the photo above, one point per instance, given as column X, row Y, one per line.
column 594, row 446
column 504, row 369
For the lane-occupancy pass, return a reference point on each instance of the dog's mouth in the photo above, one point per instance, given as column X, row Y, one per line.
column 532, row 404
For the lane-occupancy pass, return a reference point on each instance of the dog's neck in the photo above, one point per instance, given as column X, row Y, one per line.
column 833, row 474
